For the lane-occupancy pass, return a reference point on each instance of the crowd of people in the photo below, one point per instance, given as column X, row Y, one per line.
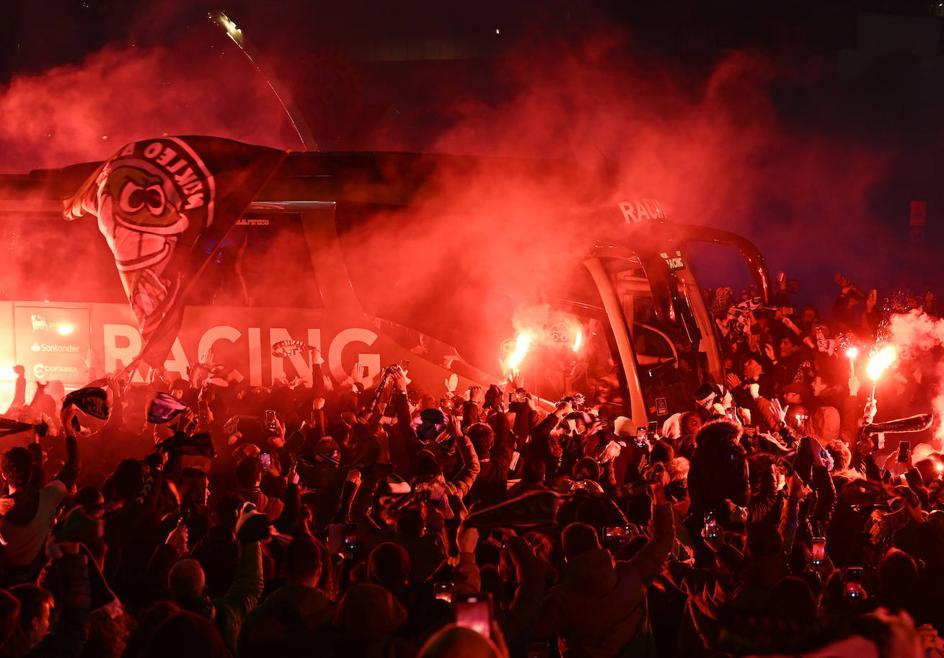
column 200, row 517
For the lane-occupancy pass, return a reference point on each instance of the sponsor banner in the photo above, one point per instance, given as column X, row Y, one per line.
column 77, row 343
column 52, row 342
column 242, row 338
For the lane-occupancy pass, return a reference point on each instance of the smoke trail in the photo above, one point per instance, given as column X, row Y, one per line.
column 920, row 339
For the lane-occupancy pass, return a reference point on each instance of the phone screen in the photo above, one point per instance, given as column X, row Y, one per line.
column 443, row 590
column 266, row 460
column 818, row 553
column 853, row 583
column 653, row 427
column 270, row 419
column 711, row 526
column 641, row 437
column 475, row 612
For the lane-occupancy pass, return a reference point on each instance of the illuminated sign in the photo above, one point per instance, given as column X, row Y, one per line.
column 641, row 210
column 674, row 261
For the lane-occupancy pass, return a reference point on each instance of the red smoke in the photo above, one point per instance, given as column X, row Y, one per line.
column 711, row 148
column 84, row 112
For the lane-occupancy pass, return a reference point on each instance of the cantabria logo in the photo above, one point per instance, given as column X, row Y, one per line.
column 41, row 371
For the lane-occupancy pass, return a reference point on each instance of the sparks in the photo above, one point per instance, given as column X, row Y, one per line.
column 880, row 362
column 229, row 25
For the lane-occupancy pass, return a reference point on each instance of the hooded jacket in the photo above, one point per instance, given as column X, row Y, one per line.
column 599, row 608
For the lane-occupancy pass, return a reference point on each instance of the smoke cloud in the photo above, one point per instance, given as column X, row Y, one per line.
column 85, row 112
column 495, row 235
column 920, row 342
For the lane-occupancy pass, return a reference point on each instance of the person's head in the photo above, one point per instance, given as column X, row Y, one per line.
column 717, row 432
column 148, row 621
column 798, row 418
column 587, row 469
column 186, row 580
column 579, row 538
column 793, row 393
column 792, row 602
column 226, row 510
column 196, row 486
column 303, row 561
column 389, row 566
column 17, row 467
column 825, row 424
column 248, row 473
column 662, row 451
column 482, row 438
column 426, row 466
column 808, row 315
column 9, row 615
column 187, row 635
column 128, row 479
column 788, row 346
column 368, row 612
column 840, row 453
column 752, row 369
column 819, row 385
column 690, row 423
column 706, row 395
column 763, row 540
column 533, row 469
column 897, row 576
column 455, row 641
column 36, row 605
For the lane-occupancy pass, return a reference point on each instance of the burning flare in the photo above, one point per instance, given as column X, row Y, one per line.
column 852, row 352
column 880, row 361
column 522, row 345
column 578, row 340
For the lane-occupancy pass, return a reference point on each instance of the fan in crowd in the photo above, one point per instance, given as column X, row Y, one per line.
column 201, row 517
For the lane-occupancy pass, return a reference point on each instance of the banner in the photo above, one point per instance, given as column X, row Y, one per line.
column 164, row 205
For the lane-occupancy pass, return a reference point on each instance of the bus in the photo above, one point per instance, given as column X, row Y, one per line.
column 624, row 322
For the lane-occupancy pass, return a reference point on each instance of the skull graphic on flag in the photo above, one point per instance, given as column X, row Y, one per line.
column 163, row 206
column 151, row 196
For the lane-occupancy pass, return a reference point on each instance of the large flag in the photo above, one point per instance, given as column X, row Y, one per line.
column 164, row 206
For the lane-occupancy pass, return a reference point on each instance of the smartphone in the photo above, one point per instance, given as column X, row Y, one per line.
column 711, row 526
column 266, row 460
column 878, row 441
column 515, row 456
column 474, row 611
column 852, row 584
column 642, row 437
column 904, row 452
column 443, row 590
column 653, row 429
column 617, row 532
column 365, row 372
column 349, row 543
column 730, row 414
column 818, row 554
column 271, row 420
